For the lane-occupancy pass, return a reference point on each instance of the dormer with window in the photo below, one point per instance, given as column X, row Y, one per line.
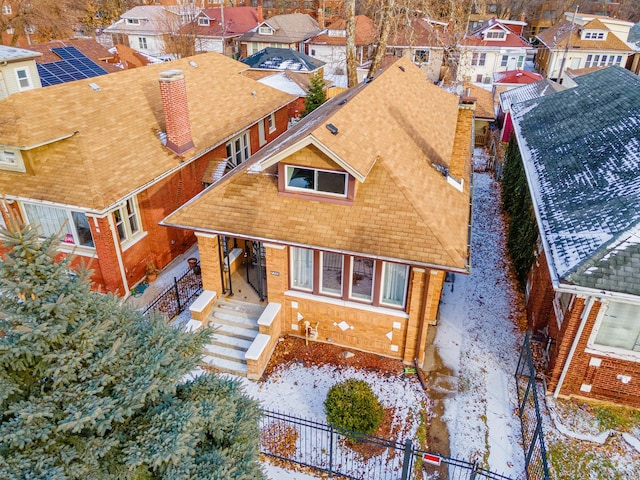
column 593, row 35
column 337, row 33
column 495, row 35
column 265, row 30
column 133, row 21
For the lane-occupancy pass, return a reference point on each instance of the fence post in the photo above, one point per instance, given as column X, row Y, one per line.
column 406, row 463
column 175, row 286
column 330, row 451
column 474, row 470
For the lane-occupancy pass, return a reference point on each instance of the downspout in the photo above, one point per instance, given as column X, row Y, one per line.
column 423, row 312
column 585, row 315
column 116, row 244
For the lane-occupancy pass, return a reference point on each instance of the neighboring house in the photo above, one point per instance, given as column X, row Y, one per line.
column 287, row 70
column 582, row 41
column 484, row 115
column 503, row 81
column 350, row 224
column 633, row 63
column 330, row 46
column 18, row 70
column 581, row 154
column 102, row 160
column 280, row 31
column 497, row 46
column 424, row 42
column 518, row 95
column 145, row 27
column 88, row 47
column 217, row 29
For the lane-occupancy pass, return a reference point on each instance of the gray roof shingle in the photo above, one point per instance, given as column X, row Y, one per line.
column 581, row 149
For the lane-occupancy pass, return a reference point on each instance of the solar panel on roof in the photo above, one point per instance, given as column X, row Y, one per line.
column 73, row 66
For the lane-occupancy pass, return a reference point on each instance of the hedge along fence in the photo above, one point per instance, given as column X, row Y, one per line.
column 522, row 231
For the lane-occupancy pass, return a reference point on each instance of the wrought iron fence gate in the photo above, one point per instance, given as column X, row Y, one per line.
column 344, row 454
column 177, row 297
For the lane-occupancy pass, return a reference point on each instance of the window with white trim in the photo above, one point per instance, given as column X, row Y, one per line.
column 6, row 9
column 142, row 42
column 271, row 121
column 24, row 79
column 265, row 31
column 420, row 56
column 495, row 35
column 238, row 149
column 478, row 59
column 73, row 226
column 504, row 60
column 127, row 220
column 593, row 35
column 11, row 159
column 203, row 21
column 562, row 302
column 133, row 21
column 617, row 329
column 359, row 279
column 325, row 182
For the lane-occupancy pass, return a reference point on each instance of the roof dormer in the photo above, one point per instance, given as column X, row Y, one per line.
column 593, row 34
column 11, row 159
column 265, row 29
column 495, row 34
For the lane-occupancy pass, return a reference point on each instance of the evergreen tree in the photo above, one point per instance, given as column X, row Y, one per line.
column 92, row 389
column 315, row 95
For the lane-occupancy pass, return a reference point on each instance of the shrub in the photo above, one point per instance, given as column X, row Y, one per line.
column 352, row 405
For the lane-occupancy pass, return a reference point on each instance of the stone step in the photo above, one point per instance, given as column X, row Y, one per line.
column 241, row 309
column 239, row 342
column 234, row 331
column 220, row 317
column 223, row 365
column 226, row 352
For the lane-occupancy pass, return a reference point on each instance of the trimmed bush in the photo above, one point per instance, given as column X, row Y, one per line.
column 352, row 405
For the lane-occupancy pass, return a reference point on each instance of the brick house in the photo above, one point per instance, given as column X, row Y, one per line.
column 354, row 223
column 104, row 159
column 582, row 161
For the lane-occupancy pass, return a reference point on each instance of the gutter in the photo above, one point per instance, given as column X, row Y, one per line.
column 574, row 346
column 116, row 244
column 423, row 311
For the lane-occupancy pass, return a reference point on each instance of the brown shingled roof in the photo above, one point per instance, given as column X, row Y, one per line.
column 366, row 32
column 114, row 147
column 556, row 37
column 392, row 130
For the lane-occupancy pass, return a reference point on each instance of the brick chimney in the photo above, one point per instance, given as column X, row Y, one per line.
column 173, row 91
column 260, row 14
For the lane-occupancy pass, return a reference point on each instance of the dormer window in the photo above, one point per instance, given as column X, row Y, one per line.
column 265, row 31
column 337, row 33
column 11, row 159
column 203, row 21
column 495, row 35
column 593, row 35
column 133, row 21
column 311, row 180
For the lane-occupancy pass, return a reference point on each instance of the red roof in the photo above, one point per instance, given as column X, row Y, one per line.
column 519, row 77
column 237, row 20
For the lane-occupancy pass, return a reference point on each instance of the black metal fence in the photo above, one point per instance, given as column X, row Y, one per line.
column 535, row 452
column 176, row 298
column 348, row 455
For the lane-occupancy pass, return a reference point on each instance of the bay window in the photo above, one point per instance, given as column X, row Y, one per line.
column 348, row 277
column 72, row 226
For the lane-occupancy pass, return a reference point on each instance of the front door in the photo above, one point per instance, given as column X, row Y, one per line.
column 256, row 267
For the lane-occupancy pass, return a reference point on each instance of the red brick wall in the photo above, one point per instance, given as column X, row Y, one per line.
column 282, row 121
column 541, row 294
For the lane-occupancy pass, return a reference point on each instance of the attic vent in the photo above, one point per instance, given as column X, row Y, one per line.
column 193, row 64
column 332, row 128
column 95, row 87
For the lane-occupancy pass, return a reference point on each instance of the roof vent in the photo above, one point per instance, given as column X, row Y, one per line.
column 95, row 87
column 193, row 64
column 332, row 128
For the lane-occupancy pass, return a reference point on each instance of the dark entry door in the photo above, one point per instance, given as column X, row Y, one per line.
column 256, row 267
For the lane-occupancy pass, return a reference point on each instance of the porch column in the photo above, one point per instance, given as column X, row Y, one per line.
column 209, row 262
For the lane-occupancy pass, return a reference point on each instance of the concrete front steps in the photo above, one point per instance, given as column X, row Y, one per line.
column 236, row 327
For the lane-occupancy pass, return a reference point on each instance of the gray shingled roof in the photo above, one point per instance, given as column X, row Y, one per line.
column 13, row 54
column 581, row 150
column 282, row 59
column 527, row 92
column 289, row 28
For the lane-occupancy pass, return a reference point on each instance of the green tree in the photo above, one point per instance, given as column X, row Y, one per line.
column 522, row 231
column 316, row 95
column 92, row 389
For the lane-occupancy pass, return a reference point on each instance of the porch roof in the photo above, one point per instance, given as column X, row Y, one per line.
column 393, row 131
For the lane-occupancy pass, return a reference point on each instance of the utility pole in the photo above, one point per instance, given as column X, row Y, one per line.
column 566, row 48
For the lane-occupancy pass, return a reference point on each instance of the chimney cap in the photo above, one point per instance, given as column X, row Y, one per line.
column 171, row 74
